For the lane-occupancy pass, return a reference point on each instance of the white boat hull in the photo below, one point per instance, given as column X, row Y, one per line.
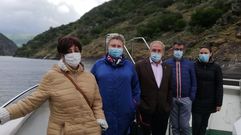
column 37, row 122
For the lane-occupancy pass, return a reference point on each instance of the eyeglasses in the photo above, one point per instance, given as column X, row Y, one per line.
column 178, row 49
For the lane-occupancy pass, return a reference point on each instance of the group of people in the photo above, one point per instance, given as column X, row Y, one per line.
column 106, row 100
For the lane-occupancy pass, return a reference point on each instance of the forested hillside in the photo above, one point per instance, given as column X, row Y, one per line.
column 197, row 22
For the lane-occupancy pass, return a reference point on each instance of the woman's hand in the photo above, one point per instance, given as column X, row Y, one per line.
column 103, row 124
column 218, row 108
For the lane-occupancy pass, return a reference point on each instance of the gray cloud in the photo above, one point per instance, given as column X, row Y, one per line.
column 33, row 16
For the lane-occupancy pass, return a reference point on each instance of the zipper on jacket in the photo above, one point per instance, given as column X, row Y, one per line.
column 178, row 80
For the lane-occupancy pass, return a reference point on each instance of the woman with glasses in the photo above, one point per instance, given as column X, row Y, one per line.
column 209, row 94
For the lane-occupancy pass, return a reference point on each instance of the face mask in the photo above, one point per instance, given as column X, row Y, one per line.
column 72, row 59
column 204, row 57
column 115, row 52
column 178, row 54
column 156, row 57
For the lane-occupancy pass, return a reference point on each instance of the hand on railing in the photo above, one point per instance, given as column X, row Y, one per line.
column 218, row 108
column 4, row 116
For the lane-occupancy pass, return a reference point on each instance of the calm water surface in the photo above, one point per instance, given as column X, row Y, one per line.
column 18, row 74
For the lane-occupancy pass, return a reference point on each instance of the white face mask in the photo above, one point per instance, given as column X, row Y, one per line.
column 72, row 59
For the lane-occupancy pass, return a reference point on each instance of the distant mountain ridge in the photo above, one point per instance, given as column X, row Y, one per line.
column 7, row 46
column 197, row 22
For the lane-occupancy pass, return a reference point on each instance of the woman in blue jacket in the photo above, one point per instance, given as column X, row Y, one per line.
column 119, row 86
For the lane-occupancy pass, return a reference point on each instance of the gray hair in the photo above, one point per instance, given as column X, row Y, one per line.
column 160, row 43
column 157, row 42
column 115, row 36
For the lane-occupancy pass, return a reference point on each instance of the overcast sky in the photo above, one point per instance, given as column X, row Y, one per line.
column 35, row 16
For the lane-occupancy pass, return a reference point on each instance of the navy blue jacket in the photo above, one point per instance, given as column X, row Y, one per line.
column 119, row 89
column 188, row 78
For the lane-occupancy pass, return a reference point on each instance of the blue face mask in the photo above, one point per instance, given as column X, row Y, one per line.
column 115, row 52
column 178, row 54
column 204, row 57
column 156, row 57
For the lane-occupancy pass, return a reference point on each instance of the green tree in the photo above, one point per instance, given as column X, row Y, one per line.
column 206, row 17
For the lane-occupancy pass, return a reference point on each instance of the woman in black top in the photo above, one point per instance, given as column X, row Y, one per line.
column 209, row 94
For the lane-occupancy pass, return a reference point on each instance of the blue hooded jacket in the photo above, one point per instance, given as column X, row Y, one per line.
column 120, row 92
column 188, row 78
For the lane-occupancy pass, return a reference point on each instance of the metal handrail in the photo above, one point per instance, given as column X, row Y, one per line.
column 234, row 80
column 138, row 38
column 19, row 95
column 142, row 38
column 129, row 55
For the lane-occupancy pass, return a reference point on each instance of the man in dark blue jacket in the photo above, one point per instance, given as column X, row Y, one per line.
column 183, row 88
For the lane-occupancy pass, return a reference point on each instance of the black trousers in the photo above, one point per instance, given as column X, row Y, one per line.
column 158, row 123
column 199, row 123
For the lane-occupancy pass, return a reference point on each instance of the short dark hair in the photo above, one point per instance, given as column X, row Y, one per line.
column 207, row 46
column 66, row 42
column 179, row 43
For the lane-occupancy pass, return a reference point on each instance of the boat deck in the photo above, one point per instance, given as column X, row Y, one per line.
column 220, row 123
column 37, row 123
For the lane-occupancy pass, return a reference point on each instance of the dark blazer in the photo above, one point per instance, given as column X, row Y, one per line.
column 153, row 98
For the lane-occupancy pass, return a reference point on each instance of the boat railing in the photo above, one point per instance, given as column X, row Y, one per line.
column 232, row 87
column 235, row 86
column 127, row 51
column 11, row 127
column 19, row 95
column 138, row 38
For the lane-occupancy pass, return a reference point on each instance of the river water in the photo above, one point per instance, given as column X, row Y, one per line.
column 18, row 74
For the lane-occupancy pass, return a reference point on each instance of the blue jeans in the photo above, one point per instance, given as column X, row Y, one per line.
column 180, row 116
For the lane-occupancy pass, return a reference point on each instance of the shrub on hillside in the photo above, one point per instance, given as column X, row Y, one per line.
column 137, row 19
column 149, row 29
column 179, row 25
column 163, row 23
column 193, row 2
column 206, row 17
column 223, row 5
column 164, row 3
column 168, row 21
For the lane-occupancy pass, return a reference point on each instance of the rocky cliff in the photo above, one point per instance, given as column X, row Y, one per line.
column 7, row 46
